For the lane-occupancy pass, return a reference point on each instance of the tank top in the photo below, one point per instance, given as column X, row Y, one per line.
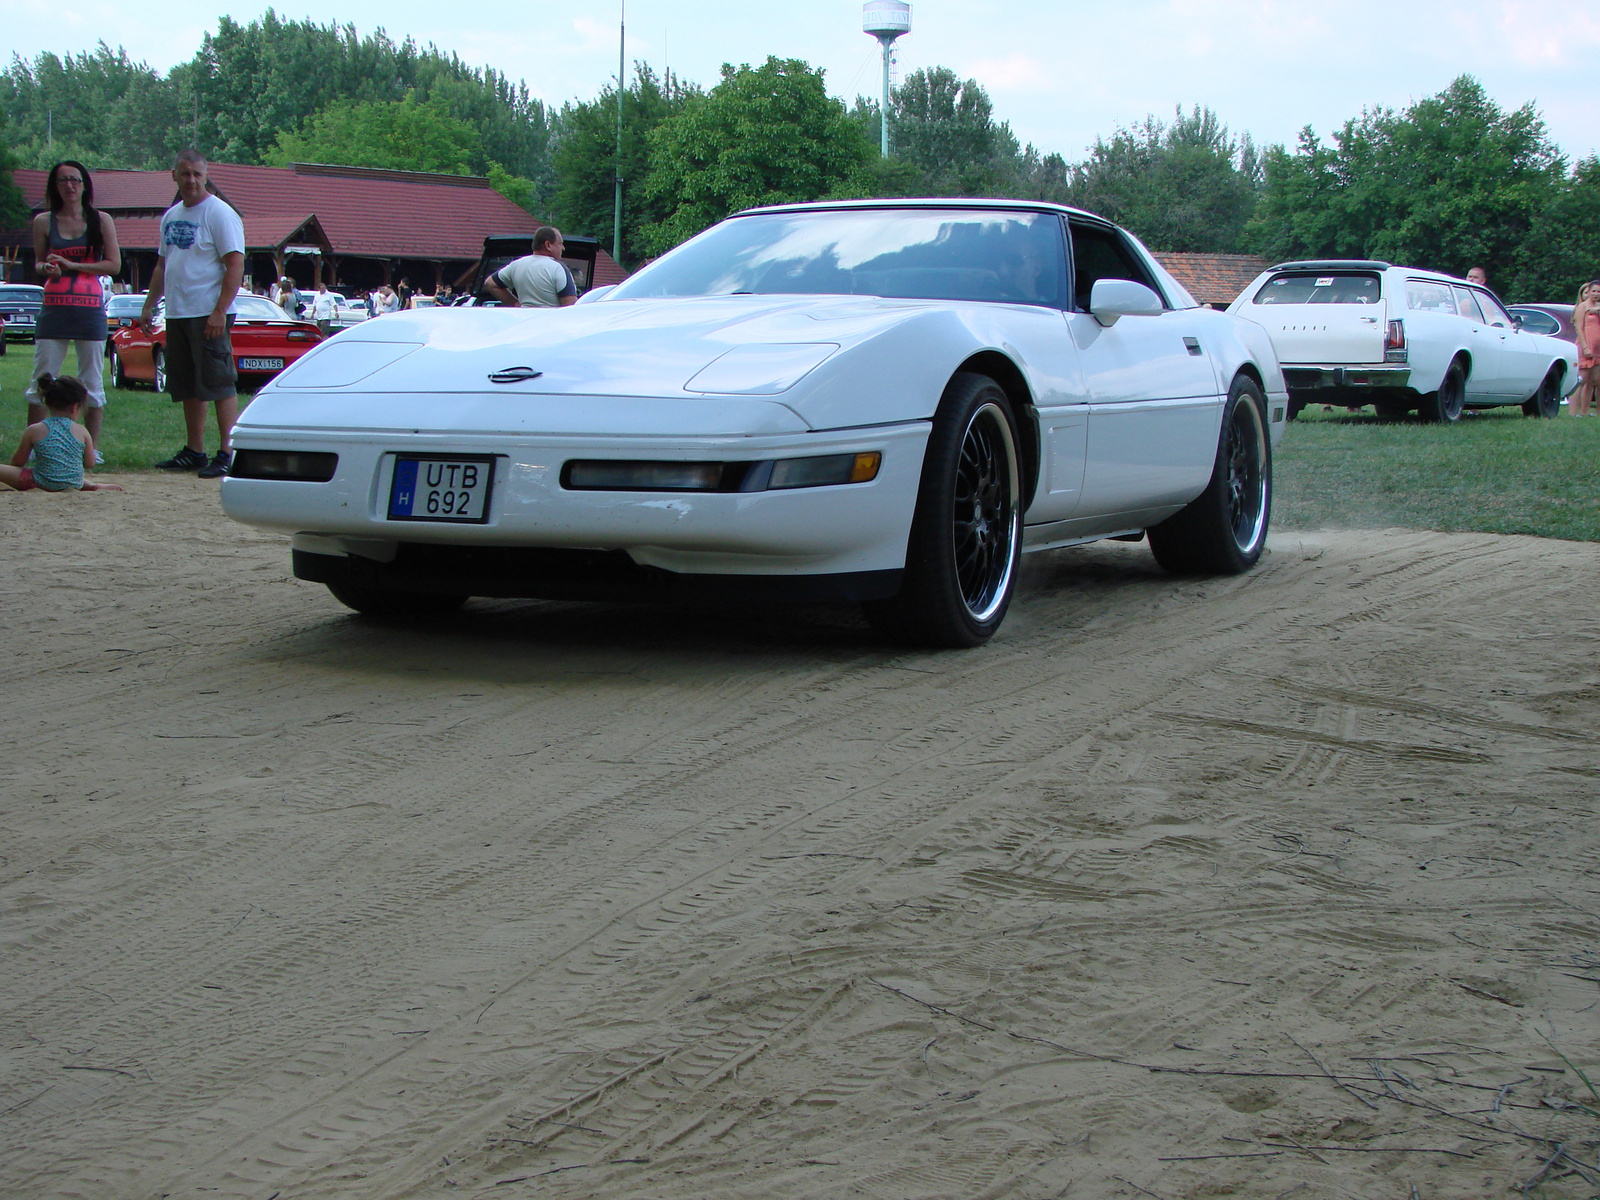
column 74, row 306
column 58, row 457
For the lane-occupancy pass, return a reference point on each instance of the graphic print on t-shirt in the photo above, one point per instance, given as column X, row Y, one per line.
column 181, row 233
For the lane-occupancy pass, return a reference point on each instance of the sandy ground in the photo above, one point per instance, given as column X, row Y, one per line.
column 1274, row 886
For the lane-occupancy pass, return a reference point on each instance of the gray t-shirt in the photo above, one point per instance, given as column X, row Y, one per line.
column 537, row 281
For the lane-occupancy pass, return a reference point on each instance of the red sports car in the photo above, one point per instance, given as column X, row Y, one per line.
column 265, row 341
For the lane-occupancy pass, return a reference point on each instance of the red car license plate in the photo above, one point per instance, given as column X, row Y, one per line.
column 261, row 364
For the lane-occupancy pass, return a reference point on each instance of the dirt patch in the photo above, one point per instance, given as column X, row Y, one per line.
column 1184, row 888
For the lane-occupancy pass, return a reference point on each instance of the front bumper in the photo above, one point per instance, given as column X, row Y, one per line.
column 831, row 530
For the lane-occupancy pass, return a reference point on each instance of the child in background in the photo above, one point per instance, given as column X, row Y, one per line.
column 62, row 449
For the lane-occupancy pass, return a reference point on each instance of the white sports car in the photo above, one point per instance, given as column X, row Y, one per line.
column 878, row 401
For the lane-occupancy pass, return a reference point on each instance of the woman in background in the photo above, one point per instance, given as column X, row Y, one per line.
column 73, row 245
column 1586, row 323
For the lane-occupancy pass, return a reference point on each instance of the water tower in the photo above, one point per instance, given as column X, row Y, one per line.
column 886, row 20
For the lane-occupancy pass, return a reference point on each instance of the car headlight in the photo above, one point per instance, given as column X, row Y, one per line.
column 341, row 363
column 762, row 369
column 769, row 475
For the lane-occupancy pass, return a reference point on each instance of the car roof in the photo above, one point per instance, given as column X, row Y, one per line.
column 929, row 202
column 1373, row 264
column 26, row 287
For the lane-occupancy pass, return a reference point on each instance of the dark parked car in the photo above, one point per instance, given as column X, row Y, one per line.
column 19, row 309
column 1553, row 320
column 501, row 249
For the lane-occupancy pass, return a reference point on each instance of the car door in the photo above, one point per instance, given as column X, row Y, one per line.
column 1524, row 357
column 1487, row 382
column 1154, row 396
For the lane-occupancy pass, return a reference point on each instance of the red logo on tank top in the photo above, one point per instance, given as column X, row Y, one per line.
column 74, row 290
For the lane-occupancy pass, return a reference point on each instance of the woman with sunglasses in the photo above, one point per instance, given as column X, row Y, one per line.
column 74, row 244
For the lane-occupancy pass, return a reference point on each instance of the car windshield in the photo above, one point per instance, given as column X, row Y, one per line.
column 27, row 293
column 118, row 305
column 258, row 308
column 924, row 254
column 1326, row 287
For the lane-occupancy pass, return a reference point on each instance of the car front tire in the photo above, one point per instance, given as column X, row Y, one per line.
column 383, row 602
column 158, row 360
column 966, row 533
column 1223, row 530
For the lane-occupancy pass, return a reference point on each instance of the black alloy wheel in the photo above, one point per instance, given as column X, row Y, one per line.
column 966, row 533
column 388, row 603
column 1224, row 529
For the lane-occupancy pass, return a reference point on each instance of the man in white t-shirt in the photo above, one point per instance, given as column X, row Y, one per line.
column 540, row 280
column 323, row 306
column 199, row 272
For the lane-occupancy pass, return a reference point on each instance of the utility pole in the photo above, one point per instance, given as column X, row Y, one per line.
column 616, row 215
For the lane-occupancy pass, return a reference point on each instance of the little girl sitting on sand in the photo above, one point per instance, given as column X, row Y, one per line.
column 62, row 449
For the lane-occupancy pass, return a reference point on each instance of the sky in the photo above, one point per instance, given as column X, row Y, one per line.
column 1062, row 72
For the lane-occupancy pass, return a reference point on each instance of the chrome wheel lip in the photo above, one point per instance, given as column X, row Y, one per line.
column 986, row 517
column 1247, row 488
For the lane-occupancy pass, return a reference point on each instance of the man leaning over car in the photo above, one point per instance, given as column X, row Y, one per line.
column 538, row 280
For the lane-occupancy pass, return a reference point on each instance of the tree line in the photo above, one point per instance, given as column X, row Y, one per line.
column 1448, row 182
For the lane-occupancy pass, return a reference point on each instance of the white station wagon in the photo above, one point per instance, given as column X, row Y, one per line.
column 1354, row 332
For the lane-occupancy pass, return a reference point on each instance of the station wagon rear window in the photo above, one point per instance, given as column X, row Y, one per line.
column 1321, row 287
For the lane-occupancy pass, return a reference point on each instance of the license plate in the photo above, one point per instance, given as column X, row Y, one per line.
column 454, row 489
column 21, row 319
column 261, row 364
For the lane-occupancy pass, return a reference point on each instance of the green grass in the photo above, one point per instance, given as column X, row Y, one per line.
column 1493, row 472
column 141, row 427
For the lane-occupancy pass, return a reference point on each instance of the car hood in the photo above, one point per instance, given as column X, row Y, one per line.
column 614, row 348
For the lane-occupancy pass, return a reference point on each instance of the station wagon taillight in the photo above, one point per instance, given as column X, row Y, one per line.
column 1394, row 345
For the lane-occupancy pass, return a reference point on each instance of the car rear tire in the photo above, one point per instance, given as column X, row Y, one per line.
column 966, row 533
column 1444, row 407
column 1223, row 530
column 1546, row 402
column 158, row 360
column 383, row 602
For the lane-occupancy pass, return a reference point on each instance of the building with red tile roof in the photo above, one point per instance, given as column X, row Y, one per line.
column 358, row 226
column 1213, row 279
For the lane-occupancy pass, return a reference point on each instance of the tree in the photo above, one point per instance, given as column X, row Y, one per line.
column 1562, row 248
column 1451, row 182
column 1185, row 186
column 14, row 210
column 585, row 159
column 946, row 128
column 764, row 135
column 406, row 135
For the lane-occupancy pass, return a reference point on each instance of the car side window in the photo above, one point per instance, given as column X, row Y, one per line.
column 1534, row 321
column 1494, row 311
column 1467, row 305
column 1423, row 295
column 1100, row 253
